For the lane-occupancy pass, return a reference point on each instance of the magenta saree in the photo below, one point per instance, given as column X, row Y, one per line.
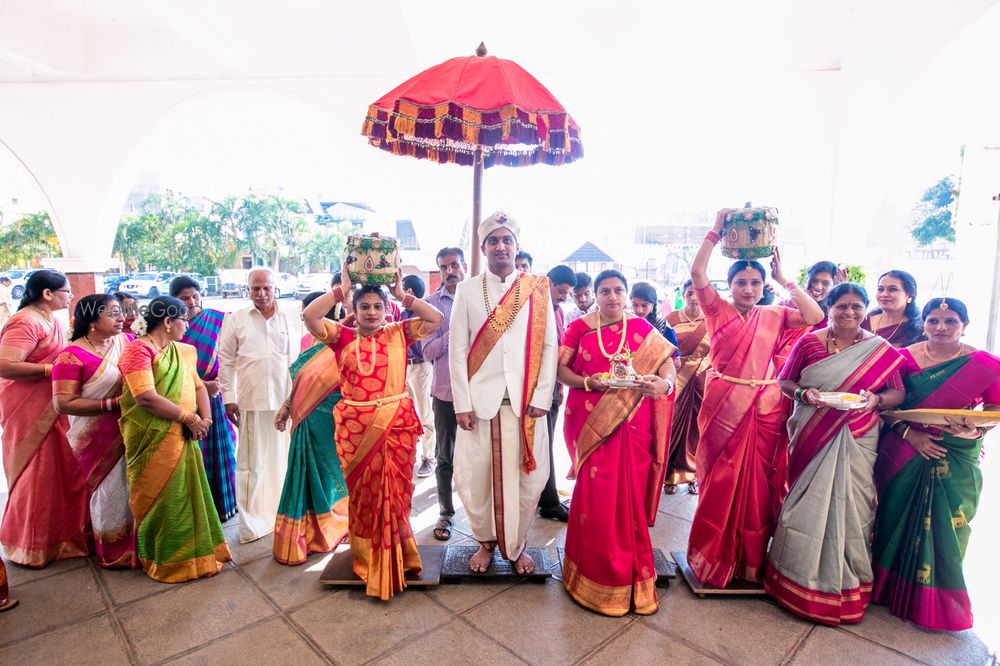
column 620, row 441
column 97, row 445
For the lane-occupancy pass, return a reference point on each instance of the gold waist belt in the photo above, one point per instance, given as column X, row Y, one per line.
column 753, row 383
column 378, row 402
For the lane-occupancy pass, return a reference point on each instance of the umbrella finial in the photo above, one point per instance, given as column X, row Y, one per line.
column 481, row 50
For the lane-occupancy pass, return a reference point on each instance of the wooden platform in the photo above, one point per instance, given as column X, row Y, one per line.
column 737, row 587
column 339, row 570
column 665, row 569
column 456, row 566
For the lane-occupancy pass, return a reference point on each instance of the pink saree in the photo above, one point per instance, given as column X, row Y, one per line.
column 620, row 441
column 47, row 508
column 743, row 452
column 99, row 450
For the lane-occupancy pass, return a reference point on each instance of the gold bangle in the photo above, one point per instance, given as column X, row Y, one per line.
column 906, row 431
column 586, row 384
column 47, row 370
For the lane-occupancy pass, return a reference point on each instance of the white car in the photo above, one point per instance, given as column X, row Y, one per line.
column 149, row 285
column 311, row 282
column 284, row 285
column 18, row 276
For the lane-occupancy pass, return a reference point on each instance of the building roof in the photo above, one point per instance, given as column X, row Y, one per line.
column 588, row 253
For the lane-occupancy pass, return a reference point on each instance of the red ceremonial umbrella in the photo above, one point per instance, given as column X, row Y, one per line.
column 479, row 111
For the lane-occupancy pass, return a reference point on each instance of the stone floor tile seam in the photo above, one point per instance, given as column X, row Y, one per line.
column 645, row 620
column 286, row 617
column 54, row 628
column 606, row 643
column 402, row 643
column 444, row 625
column 843, row 630
column 167, row 588
column 183, row 653
column 116, row 624
column 50, row 574
column 477, row 605
column 797, row 646
column 82, row 618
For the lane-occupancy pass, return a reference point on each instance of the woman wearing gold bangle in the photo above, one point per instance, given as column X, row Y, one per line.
column 86, row 385
column 47, row 508
column 928, row 477
column 179, row 532
column 620, row 440
column 376, row 427
column 742, row 451
column 819, row 566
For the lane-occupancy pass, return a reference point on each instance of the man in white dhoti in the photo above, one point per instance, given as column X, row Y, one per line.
column 503, row 355
column 255, row 351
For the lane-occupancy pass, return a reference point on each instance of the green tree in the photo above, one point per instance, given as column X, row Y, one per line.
column 323, row 249
column 933, row 213
column 170, row 232
column 265, row 226
column 28, row 240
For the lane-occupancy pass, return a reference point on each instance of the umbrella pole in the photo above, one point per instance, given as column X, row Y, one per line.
column 477, row 206
column 991, row 328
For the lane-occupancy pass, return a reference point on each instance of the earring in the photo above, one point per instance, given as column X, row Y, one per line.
column 909, row 300
column 168, row 329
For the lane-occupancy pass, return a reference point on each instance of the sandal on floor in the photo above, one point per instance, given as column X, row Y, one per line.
column 670, row 488
column 7, row 604
column 693, row 488
column 442, row 529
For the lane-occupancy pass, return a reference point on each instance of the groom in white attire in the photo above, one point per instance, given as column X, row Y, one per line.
column 503, row 353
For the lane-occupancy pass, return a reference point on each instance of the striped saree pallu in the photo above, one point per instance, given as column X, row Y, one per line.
column 218, row 448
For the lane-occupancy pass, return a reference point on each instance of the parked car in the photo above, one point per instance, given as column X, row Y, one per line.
column 112, row 283
column 149, row 285
column 284, row 285
column 18, row 276
column 311, row 282
column 233, row 282
column 199, row 278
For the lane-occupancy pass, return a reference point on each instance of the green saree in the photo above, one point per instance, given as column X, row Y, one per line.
column 179, row 536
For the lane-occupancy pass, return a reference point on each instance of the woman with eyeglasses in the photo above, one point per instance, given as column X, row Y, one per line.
column 86, row 385
column 47, row 506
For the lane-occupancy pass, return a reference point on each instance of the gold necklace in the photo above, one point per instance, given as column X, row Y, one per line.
column 158, row 348
column 372, row 349
column 47, row 315
column 927, row 353
column 501, row 325
column 836, row 349
column 891, row 335
column 621, row 342
column 94, row 347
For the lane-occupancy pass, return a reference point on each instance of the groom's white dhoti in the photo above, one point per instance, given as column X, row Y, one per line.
column 499, row 498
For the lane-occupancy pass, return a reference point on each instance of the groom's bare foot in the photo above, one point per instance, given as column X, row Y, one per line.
column 481, row 561
column 524, row 565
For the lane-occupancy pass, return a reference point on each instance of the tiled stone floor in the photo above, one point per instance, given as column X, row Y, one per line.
column 257, row 611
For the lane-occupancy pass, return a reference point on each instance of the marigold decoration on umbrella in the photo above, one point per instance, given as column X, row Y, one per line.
column 448, row 111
